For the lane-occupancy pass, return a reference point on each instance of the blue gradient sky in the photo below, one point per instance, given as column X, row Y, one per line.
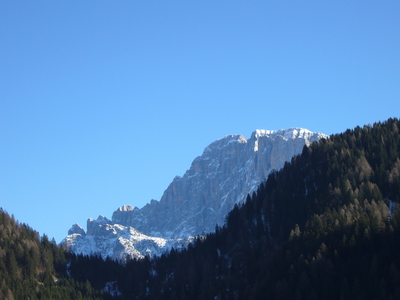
column 103, row 103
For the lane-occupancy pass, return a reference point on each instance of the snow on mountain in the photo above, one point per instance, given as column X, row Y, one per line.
column 117, row 241
column 229, row 169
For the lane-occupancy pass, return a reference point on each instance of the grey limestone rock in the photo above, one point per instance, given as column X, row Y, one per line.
column 117, row 241
column 227, row 171
column 76, row 229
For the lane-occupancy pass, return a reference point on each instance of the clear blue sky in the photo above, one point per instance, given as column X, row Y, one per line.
column 103, row 103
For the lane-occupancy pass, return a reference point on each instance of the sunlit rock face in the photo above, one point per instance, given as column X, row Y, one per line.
column 116, row 241
column 76, row 229
column 227, row 171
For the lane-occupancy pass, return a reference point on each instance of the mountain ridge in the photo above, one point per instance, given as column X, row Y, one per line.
column 228, row 170
column 226, row 162
column 325, row 226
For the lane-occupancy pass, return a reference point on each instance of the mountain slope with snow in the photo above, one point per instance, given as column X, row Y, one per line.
column 229, row 169
column 117, row 241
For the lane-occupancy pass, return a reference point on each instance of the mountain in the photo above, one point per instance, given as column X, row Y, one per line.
column 227, row 171
column 325, row 226
column 116, row 241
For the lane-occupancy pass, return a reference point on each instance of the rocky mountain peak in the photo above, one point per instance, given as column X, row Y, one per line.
column 222, row 143
column 125, row 208
column 286, row 134
column 117, row 241
column 228, row 170
column 76, row 229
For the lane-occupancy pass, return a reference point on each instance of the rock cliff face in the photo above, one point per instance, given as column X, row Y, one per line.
column 227, row 171
column 117, row 241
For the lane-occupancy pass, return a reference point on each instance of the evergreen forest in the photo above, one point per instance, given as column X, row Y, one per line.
column 325, row 226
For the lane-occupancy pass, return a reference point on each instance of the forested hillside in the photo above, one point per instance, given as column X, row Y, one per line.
column 326, row 226
column 32, row 267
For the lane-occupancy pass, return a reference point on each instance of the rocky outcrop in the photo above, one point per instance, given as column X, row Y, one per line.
column 227, row 171
column 76, row 228
column 117, row 241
